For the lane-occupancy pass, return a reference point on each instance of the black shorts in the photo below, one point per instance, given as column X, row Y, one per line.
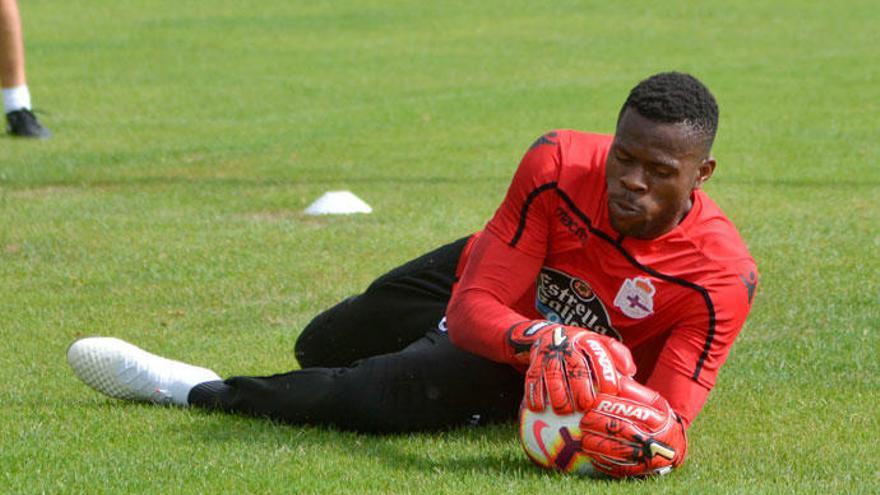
column 381, row 362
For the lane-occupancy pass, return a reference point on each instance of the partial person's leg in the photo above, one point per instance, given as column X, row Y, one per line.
column 20, row 119
column 429, row 385
column 11, row 45
column 395, row 310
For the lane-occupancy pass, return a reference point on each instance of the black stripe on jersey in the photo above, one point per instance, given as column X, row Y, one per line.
column 524, row 212
column 710, row 307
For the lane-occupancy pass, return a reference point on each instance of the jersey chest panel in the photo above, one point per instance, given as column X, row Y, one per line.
column 587, row 282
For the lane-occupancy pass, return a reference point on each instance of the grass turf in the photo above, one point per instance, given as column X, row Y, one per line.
column 189, row 136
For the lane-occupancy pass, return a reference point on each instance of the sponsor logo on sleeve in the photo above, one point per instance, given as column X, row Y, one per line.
column 545, row 139
column 636, row 297
column 751, row 283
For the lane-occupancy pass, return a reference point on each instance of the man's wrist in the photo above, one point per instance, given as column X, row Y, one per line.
column 522, row 335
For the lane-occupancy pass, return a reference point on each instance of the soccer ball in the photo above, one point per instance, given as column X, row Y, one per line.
column 553, row 441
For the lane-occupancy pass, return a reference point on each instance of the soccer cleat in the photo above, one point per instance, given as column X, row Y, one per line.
column 124, row 371
column 23, row 123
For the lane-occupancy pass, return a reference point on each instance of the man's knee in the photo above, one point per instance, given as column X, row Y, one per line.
column 317, row 344
column 304, row 349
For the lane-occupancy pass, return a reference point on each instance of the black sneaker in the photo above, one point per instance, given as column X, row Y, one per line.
column 23, row 123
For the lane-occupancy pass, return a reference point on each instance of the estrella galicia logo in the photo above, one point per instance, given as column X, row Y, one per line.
column 564, row 299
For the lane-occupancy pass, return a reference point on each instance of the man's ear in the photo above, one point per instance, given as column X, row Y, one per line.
column 704, row 172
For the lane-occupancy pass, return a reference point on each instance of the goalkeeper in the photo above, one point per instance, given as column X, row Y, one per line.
column 606, row 274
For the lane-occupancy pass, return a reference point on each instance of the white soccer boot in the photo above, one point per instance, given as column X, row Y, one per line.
column 124, row 371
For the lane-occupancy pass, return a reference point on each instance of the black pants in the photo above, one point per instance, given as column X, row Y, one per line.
column 381, row 362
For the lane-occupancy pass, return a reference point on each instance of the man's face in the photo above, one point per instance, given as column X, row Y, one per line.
column 652, row 169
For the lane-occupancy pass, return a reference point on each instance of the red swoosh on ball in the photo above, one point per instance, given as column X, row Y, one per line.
column 536, row 431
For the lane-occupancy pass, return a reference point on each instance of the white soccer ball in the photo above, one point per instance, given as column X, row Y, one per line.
column 553, row 441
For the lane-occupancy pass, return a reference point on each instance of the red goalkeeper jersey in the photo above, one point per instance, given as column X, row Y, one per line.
column 677, row 301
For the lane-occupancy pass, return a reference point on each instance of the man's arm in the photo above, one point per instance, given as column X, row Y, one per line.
column 479, row 313
column 685, row 396
column 507, row 256
column 688, row 365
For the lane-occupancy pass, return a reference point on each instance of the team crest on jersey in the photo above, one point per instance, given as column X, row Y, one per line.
column 636, row 297
column 561, row 298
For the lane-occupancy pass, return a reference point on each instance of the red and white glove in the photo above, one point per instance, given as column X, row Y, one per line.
column 633, row 432
column 568, row 366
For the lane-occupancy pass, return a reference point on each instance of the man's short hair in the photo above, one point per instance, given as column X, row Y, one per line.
column 675, row 97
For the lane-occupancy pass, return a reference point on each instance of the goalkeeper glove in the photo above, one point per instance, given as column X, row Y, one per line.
column 568, row 366
column 633, row 432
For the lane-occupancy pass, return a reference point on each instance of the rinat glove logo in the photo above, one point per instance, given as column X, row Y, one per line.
column 608, row 370
column 627, row 410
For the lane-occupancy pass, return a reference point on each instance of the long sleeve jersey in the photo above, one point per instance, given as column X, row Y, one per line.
column 677, row 301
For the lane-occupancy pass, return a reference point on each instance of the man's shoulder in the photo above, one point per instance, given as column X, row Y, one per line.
column 719, row 242
column 715, row 229
column 565, row 155
column 584, row 142
column 581, row 153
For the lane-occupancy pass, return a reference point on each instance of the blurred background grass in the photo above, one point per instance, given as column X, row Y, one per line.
column 189, row 136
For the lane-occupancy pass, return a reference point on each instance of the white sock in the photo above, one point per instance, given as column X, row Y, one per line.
column 184, row 379
column 16, row 98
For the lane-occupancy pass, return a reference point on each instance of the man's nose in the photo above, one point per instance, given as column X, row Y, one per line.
column 633, row 179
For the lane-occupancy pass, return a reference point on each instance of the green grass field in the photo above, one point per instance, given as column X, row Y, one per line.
column 189, row 136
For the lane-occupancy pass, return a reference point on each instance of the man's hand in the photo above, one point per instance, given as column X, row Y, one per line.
column 568, row 366
column 633, row 432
